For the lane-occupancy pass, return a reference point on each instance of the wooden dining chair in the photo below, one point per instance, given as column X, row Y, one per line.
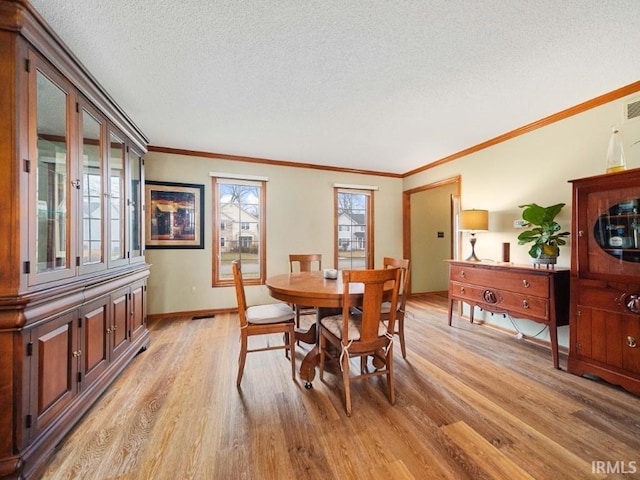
column 403, row 265
column 304, row 262
column 361, row 332
column 262, row 320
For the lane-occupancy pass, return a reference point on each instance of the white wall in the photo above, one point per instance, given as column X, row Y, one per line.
column 534, row 167
column 299, row 216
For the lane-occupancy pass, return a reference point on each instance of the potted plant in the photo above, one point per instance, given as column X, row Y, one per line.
column 546, row 235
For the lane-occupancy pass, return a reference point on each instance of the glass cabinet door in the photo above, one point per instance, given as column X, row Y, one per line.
column 50, row 178
column 117, row 191
column 135, row 205
column 608, row 240
column 92, row 188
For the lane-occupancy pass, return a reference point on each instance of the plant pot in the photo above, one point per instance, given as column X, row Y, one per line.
column 545, row 259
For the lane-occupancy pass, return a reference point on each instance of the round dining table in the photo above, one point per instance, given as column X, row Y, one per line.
column 312, row 289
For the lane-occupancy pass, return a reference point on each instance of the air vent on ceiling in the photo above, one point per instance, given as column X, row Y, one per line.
column 632, row 109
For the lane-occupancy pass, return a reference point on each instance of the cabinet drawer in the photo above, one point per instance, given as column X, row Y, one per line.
column 518, row 305
column 524, row 282
column 609, row 299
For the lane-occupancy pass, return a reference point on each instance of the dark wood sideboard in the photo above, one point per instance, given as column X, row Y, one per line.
column 522, row 291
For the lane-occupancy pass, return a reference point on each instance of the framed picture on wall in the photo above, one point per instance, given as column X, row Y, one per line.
column 174, row 215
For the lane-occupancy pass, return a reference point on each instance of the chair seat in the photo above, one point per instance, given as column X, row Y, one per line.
column 270, row 313
column 333, row 324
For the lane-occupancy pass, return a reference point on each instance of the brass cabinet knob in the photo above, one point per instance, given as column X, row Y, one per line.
column 525, row 283
column 525, row 304
column 463, row 274
column 581, row 233
column 631, row 342
column 461, row 289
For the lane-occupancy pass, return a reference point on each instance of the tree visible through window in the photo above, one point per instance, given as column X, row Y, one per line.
column 354, row 245
column 239, row 211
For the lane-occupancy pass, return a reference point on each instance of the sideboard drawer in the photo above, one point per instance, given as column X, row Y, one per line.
column 525, row 282
column 528, row 306
column 466, row 292
column 501, row 301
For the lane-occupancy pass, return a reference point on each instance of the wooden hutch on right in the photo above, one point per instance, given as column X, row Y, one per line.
column 605, row 279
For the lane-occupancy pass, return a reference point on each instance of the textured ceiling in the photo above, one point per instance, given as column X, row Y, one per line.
column 378, row 85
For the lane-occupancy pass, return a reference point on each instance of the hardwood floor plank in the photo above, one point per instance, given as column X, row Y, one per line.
column 494, row 463
column 472, row 403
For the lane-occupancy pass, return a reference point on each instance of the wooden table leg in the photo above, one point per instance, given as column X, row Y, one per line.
column 312, row 358
column 553, row 335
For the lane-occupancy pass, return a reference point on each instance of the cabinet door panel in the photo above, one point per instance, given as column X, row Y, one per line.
column 631, row 344
column 54, row 368
column 95, row 325
column 598, row 335
column 137, row 308
column 119, row 322
column 582, row 333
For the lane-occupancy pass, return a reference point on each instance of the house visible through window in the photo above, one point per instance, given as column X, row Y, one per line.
column 239, row 210
column 353, row 218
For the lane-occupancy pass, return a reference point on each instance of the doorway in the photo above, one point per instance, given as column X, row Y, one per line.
column 429, row 234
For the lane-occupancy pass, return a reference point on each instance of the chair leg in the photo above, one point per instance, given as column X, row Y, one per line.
column 346, row 378
column 242, row 358
column 401, row 335
column 390, row 378
column 286, row 342
column 292, row 351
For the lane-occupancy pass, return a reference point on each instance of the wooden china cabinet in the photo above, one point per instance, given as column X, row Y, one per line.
column 605, row 279
column 72, row 267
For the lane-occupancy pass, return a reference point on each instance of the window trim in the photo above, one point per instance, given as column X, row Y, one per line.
column 261, row 182
column 360, row 190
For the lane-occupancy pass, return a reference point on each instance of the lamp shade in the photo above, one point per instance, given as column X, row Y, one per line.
column 474, row 220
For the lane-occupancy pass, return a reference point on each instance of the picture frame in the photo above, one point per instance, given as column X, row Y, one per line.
column 174, row 215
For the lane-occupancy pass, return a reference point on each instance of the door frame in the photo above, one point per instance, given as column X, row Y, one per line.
column 406, row 217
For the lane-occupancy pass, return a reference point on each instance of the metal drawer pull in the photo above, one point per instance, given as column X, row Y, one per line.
column 525, row 283
column 462, row 274
column 525, row 304
column 631, row 342
column 489, row 296
column 632, row 303
column 461, row 289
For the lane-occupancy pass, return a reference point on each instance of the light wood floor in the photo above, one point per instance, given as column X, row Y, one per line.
column 472, row 403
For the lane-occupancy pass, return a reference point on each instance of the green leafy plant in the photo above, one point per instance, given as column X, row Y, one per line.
column 545, row 236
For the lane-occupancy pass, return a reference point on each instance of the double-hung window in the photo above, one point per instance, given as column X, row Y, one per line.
column 353, row 228
column 239, row 209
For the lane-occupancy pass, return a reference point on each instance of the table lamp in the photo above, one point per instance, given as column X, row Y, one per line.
column 474, row 221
